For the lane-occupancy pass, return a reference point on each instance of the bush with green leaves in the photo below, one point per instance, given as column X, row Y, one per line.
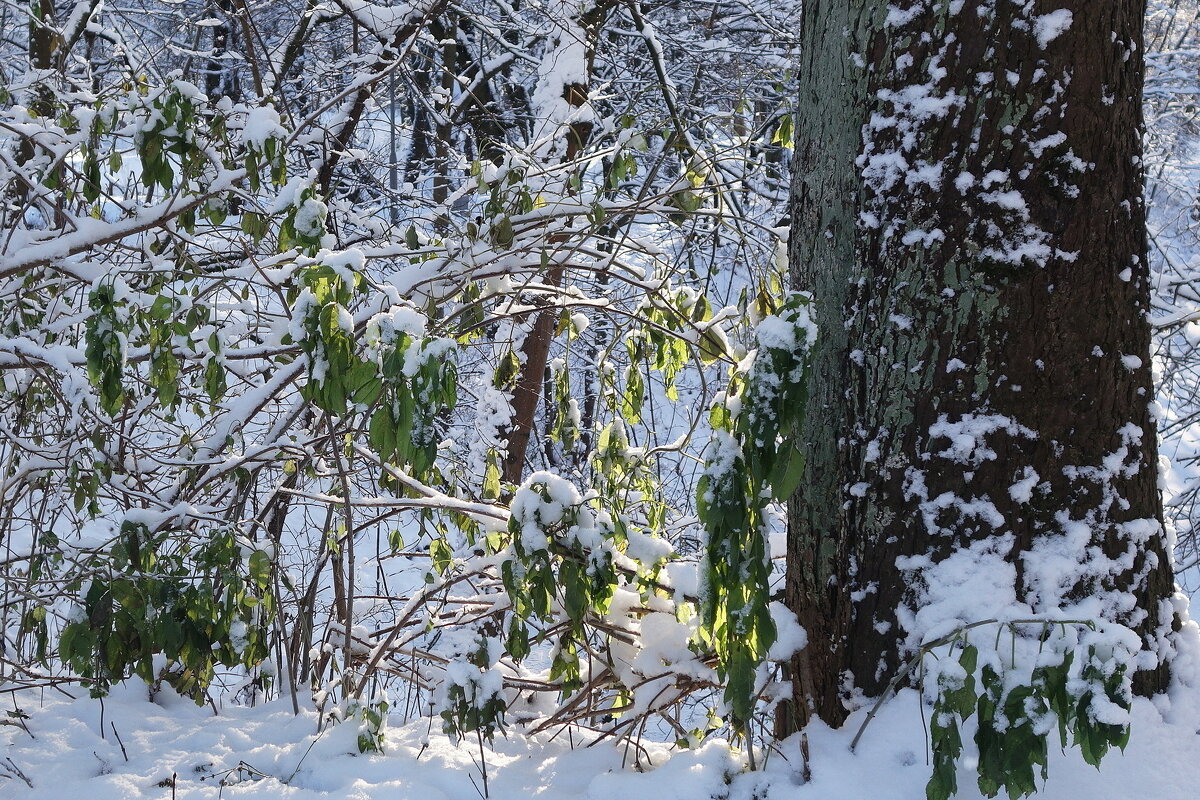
column 199, row 604
column 752, row 460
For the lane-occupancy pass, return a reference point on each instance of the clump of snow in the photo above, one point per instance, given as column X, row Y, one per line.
column 1049, row 27
column 973, row 583
column 790, row 636
column 262, row 123
column 479, row 684
column 776, row 333
column 1022, row 490
column 547, row 503
column 397, row 319
column 968, row 436
column 310, row 218
column 562, row 74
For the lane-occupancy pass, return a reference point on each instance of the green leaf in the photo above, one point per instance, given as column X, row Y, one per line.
column 575, row 594
column 783, row 133
column 441, row 554
column 634, row 394
column 712, row 345
column 260, row 569
column 381, row 433
column 364, row 382
column 507, row 371
column 491, row 478
column 787, row 472
column 502, row 232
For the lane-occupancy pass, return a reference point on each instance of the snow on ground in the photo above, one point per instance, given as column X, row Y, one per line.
column 266, row 753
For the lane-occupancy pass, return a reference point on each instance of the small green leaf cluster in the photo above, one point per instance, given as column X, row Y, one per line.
column 627, row 483
column 268, row 154
column 105, row 347
column 1015, row 717
column 178, row 140
column 690, row 196
column 474, row 694
column 661, row 343
column 737, row 572
column 155, row 319
column 165, row 326
column 776, row 393
column 167, row 139
column 565, row 426
column 303, row 225
column 337, row 374
column 508, row 195
column 695, row 736
column 164, row 366
column 372, row 725
column 624, row 167
column 408, row 379
column 560, row 557
column 671, row 326
column 33, row 622
column 418, row 383
column 784, row 135
column 151, row 594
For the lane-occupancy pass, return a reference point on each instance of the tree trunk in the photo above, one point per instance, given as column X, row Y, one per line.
column 443, row 131
column 535, row 351
column 967, row 201
column 43, row 47
column 220, row 75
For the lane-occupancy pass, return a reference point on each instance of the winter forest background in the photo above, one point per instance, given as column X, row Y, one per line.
column 414, row 400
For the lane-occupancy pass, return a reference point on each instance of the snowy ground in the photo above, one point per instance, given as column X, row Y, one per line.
column 267, row 752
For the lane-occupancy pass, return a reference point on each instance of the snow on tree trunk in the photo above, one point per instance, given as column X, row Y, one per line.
column 968, row 216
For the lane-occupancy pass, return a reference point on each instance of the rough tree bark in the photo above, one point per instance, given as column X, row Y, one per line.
column 967, row 201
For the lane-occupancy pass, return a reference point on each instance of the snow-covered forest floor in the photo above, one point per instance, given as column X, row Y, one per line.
column 172, row 748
